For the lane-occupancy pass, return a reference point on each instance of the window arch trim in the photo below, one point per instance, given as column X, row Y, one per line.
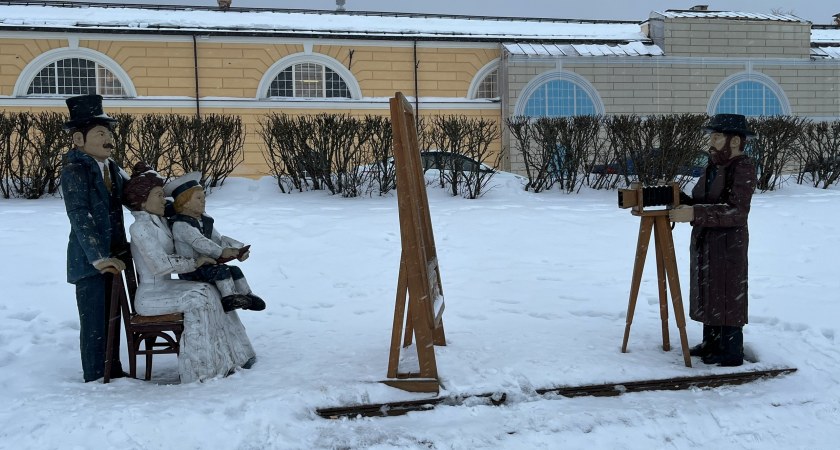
column 740, row 77
column 39, row 62
column 482, row 73
column 563, row 75
column 298, row 58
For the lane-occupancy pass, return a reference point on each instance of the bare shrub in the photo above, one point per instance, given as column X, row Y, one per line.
column 774, row 149
column 210, row 144
column 577, row 139
column 475, row 180
column 37, row 153
column 819, row 154
column 380, row 148
column 7, row 130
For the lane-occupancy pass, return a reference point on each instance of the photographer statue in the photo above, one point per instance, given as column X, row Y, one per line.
column 718, row 209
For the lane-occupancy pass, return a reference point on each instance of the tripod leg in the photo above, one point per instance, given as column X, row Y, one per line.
column 663, row 292
column 638, row 267
column 664, row 231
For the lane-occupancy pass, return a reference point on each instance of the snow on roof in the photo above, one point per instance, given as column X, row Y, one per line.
column 825, row 52
column 551, row 50
column 827, row 35
column 146, row 18
column 680, row 14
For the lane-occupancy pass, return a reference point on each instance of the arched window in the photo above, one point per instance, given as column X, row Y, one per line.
column 559, row 98
column 489, row 86
column 310, row 80
column 749, row 98
column 559, row 93
column 76, row 76
column 485, row 84
column 750, row 94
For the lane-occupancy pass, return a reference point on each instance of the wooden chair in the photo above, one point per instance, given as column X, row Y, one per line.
column 139, row 329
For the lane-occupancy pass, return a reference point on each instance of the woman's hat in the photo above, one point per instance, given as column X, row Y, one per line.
column 729, row 123
column 181, row 184
column 86, row 110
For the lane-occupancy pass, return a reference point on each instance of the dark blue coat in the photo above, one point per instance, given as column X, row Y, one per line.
column 88, row 204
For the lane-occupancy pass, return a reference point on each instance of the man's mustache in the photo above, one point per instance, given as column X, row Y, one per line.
column 108, row 146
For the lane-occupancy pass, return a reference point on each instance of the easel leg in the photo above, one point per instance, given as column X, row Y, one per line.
column 425, row 342
column 663, row 290
column 399, row 318
column 664, row 232
column 439, row 335
column 638, row 267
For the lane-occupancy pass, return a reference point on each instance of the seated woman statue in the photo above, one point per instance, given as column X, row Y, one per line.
column 214, row 343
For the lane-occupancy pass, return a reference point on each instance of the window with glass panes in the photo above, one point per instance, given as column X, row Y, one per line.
column 749, row 98
column 310, row 80
column 76, row 76
column 559, row 98
column 489, row 86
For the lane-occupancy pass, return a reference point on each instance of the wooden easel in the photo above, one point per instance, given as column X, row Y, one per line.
column 419, row 273
column 666, row 268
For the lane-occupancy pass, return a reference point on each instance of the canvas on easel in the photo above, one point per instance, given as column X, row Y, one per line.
column 419, row 275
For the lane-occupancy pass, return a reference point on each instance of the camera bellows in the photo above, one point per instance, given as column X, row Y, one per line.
column 657, row 195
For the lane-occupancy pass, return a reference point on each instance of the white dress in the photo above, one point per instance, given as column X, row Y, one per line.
column 213, row 342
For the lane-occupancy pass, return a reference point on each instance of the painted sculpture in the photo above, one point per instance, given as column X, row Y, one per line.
column 718, row 209
column 196, row 237
column 91, row 185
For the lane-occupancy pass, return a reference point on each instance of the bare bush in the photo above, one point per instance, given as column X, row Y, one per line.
column 37, row 153
column 7, row 132
column 577, row 139
column 774, row 149
column 210, row 144
column 819, row 157
column 476, row 179
column 380, row 148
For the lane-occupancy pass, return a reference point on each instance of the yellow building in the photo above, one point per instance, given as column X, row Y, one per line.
column 250, row 62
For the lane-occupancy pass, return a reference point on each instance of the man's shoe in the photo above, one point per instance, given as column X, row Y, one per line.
column 257, row 304
column 250, row 363
column 713, row 358
column 119, row 374
column 235, row 301
column 701, row 349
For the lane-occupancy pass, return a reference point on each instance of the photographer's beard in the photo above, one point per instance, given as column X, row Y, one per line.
column 722, row 156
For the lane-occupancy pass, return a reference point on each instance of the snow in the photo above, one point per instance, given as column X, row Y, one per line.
column 536, row 291
column 825, row 35
column 299, row 23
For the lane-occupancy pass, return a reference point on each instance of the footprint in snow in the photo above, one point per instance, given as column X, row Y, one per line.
column 26, row 316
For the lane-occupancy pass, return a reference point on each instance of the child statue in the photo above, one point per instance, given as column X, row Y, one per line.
column 195, row 237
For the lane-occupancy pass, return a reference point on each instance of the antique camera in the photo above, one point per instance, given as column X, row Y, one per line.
column 640, row 197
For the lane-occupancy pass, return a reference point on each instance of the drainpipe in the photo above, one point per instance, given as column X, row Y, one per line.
column 195, row 61
column 416, row 93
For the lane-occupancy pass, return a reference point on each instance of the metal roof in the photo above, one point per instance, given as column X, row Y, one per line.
column 164, row 19
column 737, row 15
column 825, row 34
column 555, row 50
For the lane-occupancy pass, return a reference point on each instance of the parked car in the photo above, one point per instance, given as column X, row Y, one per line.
column 441, row 160
column 693, row 170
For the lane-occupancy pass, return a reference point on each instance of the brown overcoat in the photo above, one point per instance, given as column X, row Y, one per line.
column 719, row 243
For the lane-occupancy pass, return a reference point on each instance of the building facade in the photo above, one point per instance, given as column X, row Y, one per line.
column 250, row 62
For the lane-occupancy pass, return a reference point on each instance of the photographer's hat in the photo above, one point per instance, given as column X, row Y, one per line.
column 86, row 110
column 729, row 123
column 182, row 184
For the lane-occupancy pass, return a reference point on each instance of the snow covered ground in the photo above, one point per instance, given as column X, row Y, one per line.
column 536, row 295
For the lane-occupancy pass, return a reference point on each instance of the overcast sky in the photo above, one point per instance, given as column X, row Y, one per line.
column 817, row 11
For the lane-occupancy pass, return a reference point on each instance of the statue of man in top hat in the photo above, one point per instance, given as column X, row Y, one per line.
column 91, row 184
column 718, row 209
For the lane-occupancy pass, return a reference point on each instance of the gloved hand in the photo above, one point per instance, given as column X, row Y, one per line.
column 202, row 260
column 102, row 266
column 230, row 253
column 682, row 213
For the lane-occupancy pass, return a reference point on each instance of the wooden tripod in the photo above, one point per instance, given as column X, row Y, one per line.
column 666, row 267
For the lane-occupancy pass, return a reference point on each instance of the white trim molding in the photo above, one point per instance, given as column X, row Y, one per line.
column 480, row 76
column 551, row 75
column 318, row 58
column 749, row 75
column 39, row 62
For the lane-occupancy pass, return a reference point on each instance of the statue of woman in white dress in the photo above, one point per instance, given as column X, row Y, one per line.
column 214, row 343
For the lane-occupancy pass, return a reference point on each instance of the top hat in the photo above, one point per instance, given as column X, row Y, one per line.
column 86, row 110
column 729, row 123
column 182, row 184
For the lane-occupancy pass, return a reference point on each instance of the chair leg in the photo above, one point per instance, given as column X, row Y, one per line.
column 150, row 345
column 133, row 345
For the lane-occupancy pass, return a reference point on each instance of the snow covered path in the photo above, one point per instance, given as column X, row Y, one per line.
column 536, row 296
